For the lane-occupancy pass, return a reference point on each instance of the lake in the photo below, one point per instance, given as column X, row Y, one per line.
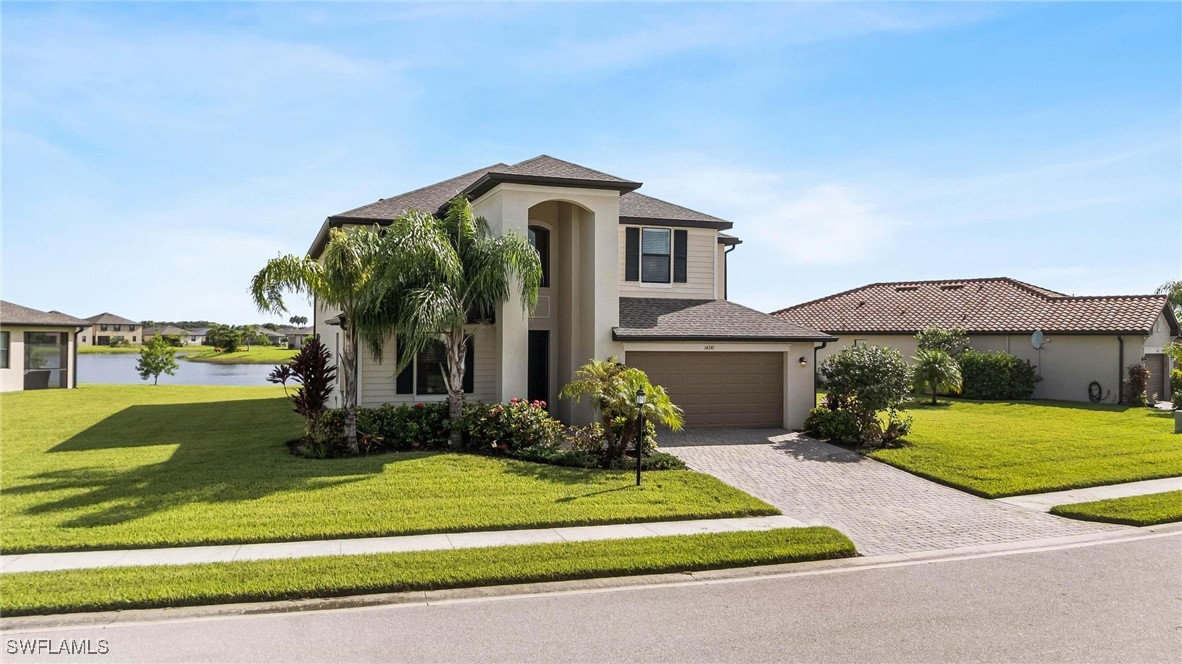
column 121, row 369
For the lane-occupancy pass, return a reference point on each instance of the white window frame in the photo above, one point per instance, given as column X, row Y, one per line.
column 656, row 284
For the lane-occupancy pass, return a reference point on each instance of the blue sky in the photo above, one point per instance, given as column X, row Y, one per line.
column 155, row 156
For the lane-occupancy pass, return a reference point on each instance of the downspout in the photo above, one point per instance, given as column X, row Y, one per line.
column 815, row 349
column 1120, row 372
column 74, row 377
column 726, row 274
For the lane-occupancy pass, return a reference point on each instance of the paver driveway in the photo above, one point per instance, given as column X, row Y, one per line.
column 881, row 508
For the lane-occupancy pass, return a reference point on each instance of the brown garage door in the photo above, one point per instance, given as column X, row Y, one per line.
column 739, row 390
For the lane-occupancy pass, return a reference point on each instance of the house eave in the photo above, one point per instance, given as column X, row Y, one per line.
column 489, row 180
column 616, row 336
column 678, row 223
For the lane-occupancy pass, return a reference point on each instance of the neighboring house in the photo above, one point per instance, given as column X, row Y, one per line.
column 625, row 276
column 169, row 331
column 106, row 327
column 1087, row 339
column 38, row 349
column 197, row 336
column 296, row 336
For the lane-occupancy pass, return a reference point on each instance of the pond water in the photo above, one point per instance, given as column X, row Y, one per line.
column 121, row 369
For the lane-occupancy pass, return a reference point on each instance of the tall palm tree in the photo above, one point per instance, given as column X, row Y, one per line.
column 447, row 275
column 345, row 278
column 936, row 370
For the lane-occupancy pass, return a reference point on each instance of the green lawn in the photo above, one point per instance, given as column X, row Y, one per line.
column 107, row 350
column 213, row 583
column 115, row 466
column 256, row 355
column 997, row 449
column 1145, row 510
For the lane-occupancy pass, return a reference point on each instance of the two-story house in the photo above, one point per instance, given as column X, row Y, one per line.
column 625, row 275
column 106, row 326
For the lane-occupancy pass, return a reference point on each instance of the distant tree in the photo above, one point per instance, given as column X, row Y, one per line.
column 156, row 357
column 952, row 341
column 224, row 338
column 1173, row 290
column 298, row 321
column 270, row 326
column 936, row 371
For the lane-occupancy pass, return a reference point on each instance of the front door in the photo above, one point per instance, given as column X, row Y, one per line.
column 539, row 366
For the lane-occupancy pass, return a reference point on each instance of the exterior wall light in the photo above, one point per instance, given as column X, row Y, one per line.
column 803, row 362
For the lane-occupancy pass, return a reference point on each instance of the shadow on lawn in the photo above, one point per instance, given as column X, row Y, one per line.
column 224, row 452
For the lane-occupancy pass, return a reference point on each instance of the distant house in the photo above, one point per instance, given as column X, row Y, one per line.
column 296, row 336
column 38, row 349
column 106, row 327
column 1087, row 339
column 197, row 336
column 168, row 331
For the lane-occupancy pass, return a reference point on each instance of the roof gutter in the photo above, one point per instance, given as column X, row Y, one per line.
column 816, row 370
column 726, row 273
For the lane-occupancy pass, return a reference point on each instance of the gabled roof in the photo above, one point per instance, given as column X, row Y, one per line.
column 996, row 305
column 167, row 330
column 107, row 318
column 673, row 319
column 15, row 314
column 541, row 170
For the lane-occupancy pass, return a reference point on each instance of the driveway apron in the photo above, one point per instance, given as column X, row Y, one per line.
column 884, row 510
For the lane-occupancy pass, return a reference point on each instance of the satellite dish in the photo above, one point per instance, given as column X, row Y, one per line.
column 1037, row 340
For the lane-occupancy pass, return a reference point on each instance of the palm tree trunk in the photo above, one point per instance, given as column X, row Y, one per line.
column 349, row 389
column 457, row 348
column 933, row 394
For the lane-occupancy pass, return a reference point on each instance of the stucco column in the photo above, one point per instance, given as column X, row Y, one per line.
column 505, row 214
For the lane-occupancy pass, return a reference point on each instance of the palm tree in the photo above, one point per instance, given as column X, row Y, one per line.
column 345, row 278
column 447, row 275
column 937, row 371
column 612, row 389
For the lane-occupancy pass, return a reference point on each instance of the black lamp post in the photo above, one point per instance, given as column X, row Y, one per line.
column 641, row 399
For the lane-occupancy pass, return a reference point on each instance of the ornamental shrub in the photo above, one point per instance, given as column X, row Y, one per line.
column 1138, row 381
column 835, row 426
column 1176, row 388
column 952, row 341
column 391, row 427
column 996, row 375
column 504, row 428
column 871, row 380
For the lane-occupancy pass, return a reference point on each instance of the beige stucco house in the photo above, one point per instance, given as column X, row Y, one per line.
column 186, row 337
column 1086, row 339
column 626, row 275
column 105, row 327
column 38, row 349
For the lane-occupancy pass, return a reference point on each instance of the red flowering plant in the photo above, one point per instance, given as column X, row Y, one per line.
column 505, row 428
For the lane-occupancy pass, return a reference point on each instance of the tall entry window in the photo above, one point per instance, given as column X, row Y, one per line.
column 539, row 239
column 45, row 360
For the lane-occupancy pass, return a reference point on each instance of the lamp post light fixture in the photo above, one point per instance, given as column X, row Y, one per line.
column 641, row 399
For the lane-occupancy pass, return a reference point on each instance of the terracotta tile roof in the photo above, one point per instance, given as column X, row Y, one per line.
column 15, row 314
column 672, row 319
column 994, row 305
column 110, row 318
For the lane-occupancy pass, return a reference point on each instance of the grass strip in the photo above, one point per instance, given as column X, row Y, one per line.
column 73, row 591
column 256, row 355
column 1147, row 510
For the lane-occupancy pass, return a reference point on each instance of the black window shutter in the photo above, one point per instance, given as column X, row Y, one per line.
column 631, row 254
column 680, row 240
column 405, row 383
column 469, row 368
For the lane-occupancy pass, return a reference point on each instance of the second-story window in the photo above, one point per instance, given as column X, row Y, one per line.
column 655, row 251
column 103, row 327
column 118, row 328
column 539, row 239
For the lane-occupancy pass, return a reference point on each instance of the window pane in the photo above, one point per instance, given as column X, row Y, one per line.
column 654, row 269
column 429, row 373
column 3, row 350
column 655, row 241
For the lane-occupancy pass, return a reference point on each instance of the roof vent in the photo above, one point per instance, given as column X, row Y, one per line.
column 902, row 289
column 951, row 286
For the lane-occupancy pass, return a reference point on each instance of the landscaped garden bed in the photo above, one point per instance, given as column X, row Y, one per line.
column 114, row 466
column 1148, row 510
column 213, row 583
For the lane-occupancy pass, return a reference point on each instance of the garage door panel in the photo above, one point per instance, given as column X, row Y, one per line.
column 720, row 389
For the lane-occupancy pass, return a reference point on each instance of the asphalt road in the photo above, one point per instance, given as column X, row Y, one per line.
column 1109, row 602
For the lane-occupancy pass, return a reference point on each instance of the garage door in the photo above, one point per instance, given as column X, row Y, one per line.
column 738, row 390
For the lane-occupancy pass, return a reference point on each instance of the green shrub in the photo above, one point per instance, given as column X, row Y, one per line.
column 996, row 375
column 870, row 380
column 1176, row 388
column 391, row 427
column 952, row 341
column 504, row 428
column 837, row 426
column 1138, row 381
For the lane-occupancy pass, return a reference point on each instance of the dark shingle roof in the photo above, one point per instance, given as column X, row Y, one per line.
column 995, row 305
column 672, row 319
column 168, row 331
column 110, row 318
column 636, row 207
column 431, row 198
column 15, row 314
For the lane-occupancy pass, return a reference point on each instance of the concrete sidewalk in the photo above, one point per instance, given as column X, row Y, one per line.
column 46, row 562
column 1043, row 502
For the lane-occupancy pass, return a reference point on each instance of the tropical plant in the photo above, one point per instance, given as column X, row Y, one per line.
column 156, row 357
column 447, row 277
column 870, row 380
column 280, row 375
column 611, row 388
column 936, row 371
column 1138, row 381
column 996, row 375
column 1174, row 351
column 223, row 337
column 1173, row 291
column 953, row 341
column 345, row 277
column 298, row 321
column 312, row 369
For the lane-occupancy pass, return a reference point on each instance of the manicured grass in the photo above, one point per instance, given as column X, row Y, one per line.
column 1147, row 510
column 124, row 466
column 996, row 449
column 256, row 355
column 123, row 350
column 212, row 583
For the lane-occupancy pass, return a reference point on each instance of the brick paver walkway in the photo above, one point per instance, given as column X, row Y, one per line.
column 882, row 509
